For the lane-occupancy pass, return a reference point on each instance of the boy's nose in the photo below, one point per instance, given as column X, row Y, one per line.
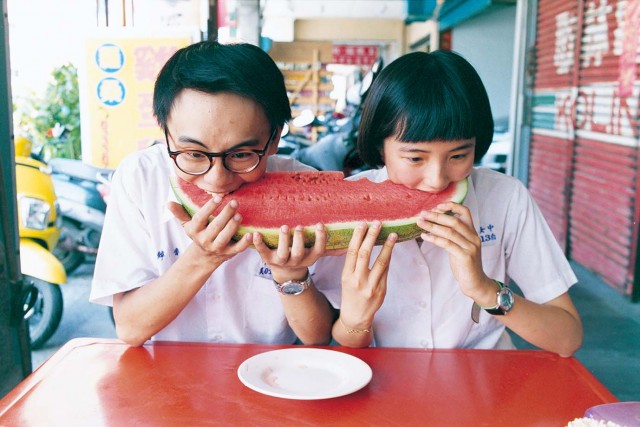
column 218, row 175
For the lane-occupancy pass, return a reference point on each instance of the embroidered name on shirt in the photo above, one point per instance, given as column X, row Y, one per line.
column 160, row 255
column 264, row 271
column 486, row 233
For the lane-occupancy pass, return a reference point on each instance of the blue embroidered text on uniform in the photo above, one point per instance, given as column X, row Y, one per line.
column 486, row 233
column 176, row 251
column 160, row 255
column 264, row 271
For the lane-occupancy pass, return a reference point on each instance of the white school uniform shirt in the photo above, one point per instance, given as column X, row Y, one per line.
column 424, row 306
column 141, row 239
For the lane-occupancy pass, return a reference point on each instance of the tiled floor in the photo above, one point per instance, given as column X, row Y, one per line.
column 611, row 347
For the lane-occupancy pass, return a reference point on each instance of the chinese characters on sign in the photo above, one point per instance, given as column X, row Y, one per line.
column 628, row 56
column 600, row 110
column 354, row 54
column 120, row 76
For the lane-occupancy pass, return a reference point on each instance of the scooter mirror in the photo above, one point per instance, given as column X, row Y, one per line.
column 368, row 78
column 305, row 118
column 366, row 83
column 285, row 130
column 375, row 67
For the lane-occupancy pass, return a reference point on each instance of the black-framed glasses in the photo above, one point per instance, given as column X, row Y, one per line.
column 196, row 162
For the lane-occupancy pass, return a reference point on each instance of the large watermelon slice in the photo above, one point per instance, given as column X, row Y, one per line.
column 307, row 198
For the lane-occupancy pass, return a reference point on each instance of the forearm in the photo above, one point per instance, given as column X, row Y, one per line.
column 141, row 313
column 554, row 326
column 310, row 316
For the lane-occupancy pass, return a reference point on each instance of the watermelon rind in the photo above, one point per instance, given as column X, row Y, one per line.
column 338, row 234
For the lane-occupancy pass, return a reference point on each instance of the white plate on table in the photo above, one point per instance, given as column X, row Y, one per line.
column 304, row 373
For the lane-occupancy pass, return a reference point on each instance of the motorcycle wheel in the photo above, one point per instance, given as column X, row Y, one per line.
column 45, row 317
column 70, row 258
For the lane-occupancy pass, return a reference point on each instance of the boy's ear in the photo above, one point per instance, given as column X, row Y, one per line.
column 273, row 146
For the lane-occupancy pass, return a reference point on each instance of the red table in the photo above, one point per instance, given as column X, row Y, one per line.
column 94, row 382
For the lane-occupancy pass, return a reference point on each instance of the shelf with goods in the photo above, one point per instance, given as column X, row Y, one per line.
column 308, row 82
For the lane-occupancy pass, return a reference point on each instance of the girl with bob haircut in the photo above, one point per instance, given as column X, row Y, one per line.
column 426, row 121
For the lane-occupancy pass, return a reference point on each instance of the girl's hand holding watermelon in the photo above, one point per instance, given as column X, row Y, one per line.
column 454, row 232
column 363, row 288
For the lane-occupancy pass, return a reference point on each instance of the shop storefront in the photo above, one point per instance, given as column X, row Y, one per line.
column 583, row 153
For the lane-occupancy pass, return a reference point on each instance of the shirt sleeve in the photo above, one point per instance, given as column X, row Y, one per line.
column 535, row 260
column 123, row 262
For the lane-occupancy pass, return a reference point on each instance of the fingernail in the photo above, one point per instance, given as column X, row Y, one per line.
column 237, row 217
column 392, row 237
column 362, row 225
column 284, row 229
column 217, row 199
column 233, row 204
column 375, row 225
column 319, row 226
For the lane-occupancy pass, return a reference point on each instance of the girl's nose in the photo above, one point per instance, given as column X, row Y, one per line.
column 436, row 178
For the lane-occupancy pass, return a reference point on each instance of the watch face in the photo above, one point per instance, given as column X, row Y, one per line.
column 505, row 299
column 292, row 288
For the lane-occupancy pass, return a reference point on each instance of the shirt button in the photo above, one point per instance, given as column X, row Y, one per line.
column 217, row 338
column 422, row 304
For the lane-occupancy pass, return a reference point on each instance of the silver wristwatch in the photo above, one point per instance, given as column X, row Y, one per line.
column 504, row 301
column 293, row 287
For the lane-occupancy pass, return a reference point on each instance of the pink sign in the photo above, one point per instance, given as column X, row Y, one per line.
column 354, row 54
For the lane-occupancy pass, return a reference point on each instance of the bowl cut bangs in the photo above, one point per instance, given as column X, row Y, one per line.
column 423, row 97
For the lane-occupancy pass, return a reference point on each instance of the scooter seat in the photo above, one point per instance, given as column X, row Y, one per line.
column 78, row 169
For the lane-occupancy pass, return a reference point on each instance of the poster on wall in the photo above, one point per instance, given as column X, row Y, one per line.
column 116, row 93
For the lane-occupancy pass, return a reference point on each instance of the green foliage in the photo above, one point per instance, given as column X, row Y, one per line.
column 60, row 105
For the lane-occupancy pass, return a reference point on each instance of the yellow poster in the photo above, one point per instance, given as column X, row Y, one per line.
column 117, row 94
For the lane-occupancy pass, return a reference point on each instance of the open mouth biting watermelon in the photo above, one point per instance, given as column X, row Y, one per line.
column 308, row 198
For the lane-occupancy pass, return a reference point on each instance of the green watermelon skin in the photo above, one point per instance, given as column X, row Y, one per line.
column 306, row 198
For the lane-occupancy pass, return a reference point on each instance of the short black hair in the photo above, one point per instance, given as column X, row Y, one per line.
column 421, row 96
column 208, row 66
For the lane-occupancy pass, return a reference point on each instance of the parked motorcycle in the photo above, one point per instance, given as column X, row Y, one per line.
column 82, row 191
column 336, row 149
column 39, row 230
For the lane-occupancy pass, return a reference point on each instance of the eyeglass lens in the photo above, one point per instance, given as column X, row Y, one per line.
column 198, row 163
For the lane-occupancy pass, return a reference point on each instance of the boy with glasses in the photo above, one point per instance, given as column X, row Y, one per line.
column 173, row 277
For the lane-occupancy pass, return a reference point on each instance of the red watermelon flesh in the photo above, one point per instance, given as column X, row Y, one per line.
column 309, row 198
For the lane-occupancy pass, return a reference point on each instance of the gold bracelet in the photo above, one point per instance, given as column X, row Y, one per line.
column 353, row 331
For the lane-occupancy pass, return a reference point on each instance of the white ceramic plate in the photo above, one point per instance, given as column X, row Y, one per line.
column 304, row 373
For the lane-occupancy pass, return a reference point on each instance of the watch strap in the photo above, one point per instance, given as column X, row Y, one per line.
column 497, row 306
